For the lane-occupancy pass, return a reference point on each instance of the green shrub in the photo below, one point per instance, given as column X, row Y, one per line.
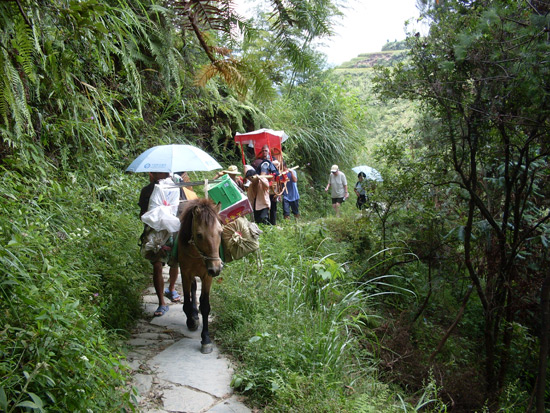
column 71, row 274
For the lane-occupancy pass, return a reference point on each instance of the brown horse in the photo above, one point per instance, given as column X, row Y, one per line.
column 199, row 256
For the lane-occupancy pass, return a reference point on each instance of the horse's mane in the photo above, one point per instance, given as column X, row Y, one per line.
column 206, row 210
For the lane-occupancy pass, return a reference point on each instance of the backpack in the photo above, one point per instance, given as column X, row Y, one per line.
column 257, row 165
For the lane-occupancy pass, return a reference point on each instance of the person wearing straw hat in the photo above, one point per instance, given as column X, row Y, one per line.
column 339, row 190
column 233, row 173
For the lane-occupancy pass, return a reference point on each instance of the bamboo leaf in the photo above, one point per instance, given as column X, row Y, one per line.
column 3, row 399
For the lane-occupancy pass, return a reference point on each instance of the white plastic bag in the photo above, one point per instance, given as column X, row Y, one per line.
column 163, row 207
column 165, row 194
column 160, row 218
column 155, row 241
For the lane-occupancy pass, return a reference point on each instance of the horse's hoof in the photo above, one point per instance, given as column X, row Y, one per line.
column 206, row 348
column 192, row 323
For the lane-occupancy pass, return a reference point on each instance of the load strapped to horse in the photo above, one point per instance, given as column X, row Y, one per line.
column 239, row 238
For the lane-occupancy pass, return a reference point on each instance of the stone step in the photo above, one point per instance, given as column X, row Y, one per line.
column 168, row 369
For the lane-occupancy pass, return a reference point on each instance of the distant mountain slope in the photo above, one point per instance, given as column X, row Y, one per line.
column 388, row 119
column 368, row 60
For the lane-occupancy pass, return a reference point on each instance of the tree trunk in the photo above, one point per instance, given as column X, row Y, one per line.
column 544, row 342
column 425, row 303
column 452, row 327
column 490, row 356
column 506, row 339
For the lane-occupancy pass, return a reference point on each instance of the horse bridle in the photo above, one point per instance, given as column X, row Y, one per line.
column 201, row 254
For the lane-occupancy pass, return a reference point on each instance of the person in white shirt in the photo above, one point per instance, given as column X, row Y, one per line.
column 339, row 188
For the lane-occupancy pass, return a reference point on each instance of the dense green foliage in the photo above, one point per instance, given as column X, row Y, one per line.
column 64, row 279
column 466, row 195
column 435, row 288
column 482, row 144
column 325, row 122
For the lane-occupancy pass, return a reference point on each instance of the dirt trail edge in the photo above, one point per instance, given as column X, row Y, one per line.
column 169, row 370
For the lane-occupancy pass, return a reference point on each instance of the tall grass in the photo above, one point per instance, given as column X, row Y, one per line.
column 298, row 329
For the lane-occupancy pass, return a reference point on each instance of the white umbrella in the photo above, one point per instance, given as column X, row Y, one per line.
column 173, row 158
column 369, row 172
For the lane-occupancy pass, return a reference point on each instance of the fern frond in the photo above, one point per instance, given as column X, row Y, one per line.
column 205, row 73
column 230, row 73
column 209, row 14
column 23, row 42
column 18, row 101
column 261, row 85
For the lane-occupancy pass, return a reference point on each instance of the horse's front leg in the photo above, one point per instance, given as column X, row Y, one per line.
column 189, row 285
column 206, row 343
column 195, row 309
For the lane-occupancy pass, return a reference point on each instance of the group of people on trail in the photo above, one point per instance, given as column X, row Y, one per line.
column 260, row 183
column 265, row 184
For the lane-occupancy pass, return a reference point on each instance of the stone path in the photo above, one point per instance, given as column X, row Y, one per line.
column 169, row 370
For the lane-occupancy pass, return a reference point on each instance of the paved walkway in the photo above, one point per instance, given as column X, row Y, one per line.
column 169, row 370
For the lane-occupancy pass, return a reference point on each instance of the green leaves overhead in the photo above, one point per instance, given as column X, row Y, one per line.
column 311, row 18
column 297, row 24
column 71, row 61
column 325, row 124
column 76, row 73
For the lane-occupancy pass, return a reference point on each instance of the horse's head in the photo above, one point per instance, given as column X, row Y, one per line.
column 206, row 231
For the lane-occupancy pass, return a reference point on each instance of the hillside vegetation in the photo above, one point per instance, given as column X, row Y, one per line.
column 436, row 298
column 370, row 60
